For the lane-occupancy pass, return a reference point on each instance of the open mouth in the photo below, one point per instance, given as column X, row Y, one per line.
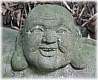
column 48, row 49
column 48, row 52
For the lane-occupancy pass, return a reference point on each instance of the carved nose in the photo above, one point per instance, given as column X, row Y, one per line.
column 49, row 37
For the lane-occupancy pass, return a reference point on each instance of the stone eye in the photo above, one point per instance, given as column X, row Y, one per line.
column 37, row 29
column 61, row 31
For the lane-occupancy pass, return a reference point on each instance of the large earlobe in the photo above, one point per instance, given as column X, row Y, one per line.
column 80, row 59
column 18, row 61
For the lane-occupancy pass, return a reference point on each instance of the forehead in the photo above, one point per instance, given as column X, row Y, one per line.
column 49, row 15
column 46, row 22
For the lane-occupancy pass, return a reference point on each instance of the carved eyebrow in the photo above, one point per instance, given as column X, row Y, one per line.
column 34, row 23
column 37, row 27
column 64, row 28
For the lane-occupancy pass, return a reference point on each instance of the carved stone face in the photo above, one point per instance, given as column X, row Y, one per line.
column 48, row 40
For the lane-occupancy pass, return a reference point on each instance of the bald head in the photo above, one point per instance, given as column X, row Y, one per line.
column 52, row 15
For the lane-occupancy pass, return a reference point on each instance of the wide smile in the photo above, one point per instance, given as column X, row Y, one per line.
column 47, row 52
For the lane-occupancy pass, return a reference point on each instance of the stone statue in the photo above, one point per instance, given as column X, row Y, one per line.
column 48, row 46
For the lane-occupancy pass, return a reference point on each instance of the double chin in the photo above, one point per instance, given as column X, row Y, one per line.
column 48, row 60
column 45, row 63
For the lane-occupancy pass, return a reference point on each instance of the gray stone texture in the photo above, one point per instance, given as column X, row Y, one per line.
column 77, row 59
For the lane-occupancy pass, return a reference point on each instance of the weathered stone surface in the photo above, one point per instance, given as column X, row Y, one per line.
column 8, row 38
column 50, row 26
column 49, row 39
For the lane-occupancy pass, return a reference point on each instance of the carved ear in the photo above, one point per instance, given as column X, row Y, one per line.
column 79, row 60
column 18, row 61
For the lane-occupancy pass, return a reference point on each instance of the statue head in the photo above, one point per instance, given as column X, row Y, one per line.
column 50, row 38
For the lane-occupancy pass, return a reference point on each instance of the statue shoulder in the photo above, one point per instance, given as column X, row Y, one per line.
column 91, row 42
column 89, row 46
column 8, row 47
column 9, row 33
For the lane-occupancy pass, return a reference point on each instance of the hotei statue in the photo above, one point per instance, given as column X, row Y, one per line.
column 49, row 41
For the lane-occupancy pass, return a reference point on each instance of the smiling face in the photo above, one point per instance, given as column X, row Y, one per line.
column 48, row 37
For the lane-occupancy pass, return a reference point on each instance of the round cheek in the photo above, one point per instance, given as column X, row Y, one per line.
column 66, row 40
column 33, row 41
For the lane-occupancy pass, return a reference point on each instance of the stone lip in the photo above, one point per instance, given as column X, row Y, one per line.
column 47, row 52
